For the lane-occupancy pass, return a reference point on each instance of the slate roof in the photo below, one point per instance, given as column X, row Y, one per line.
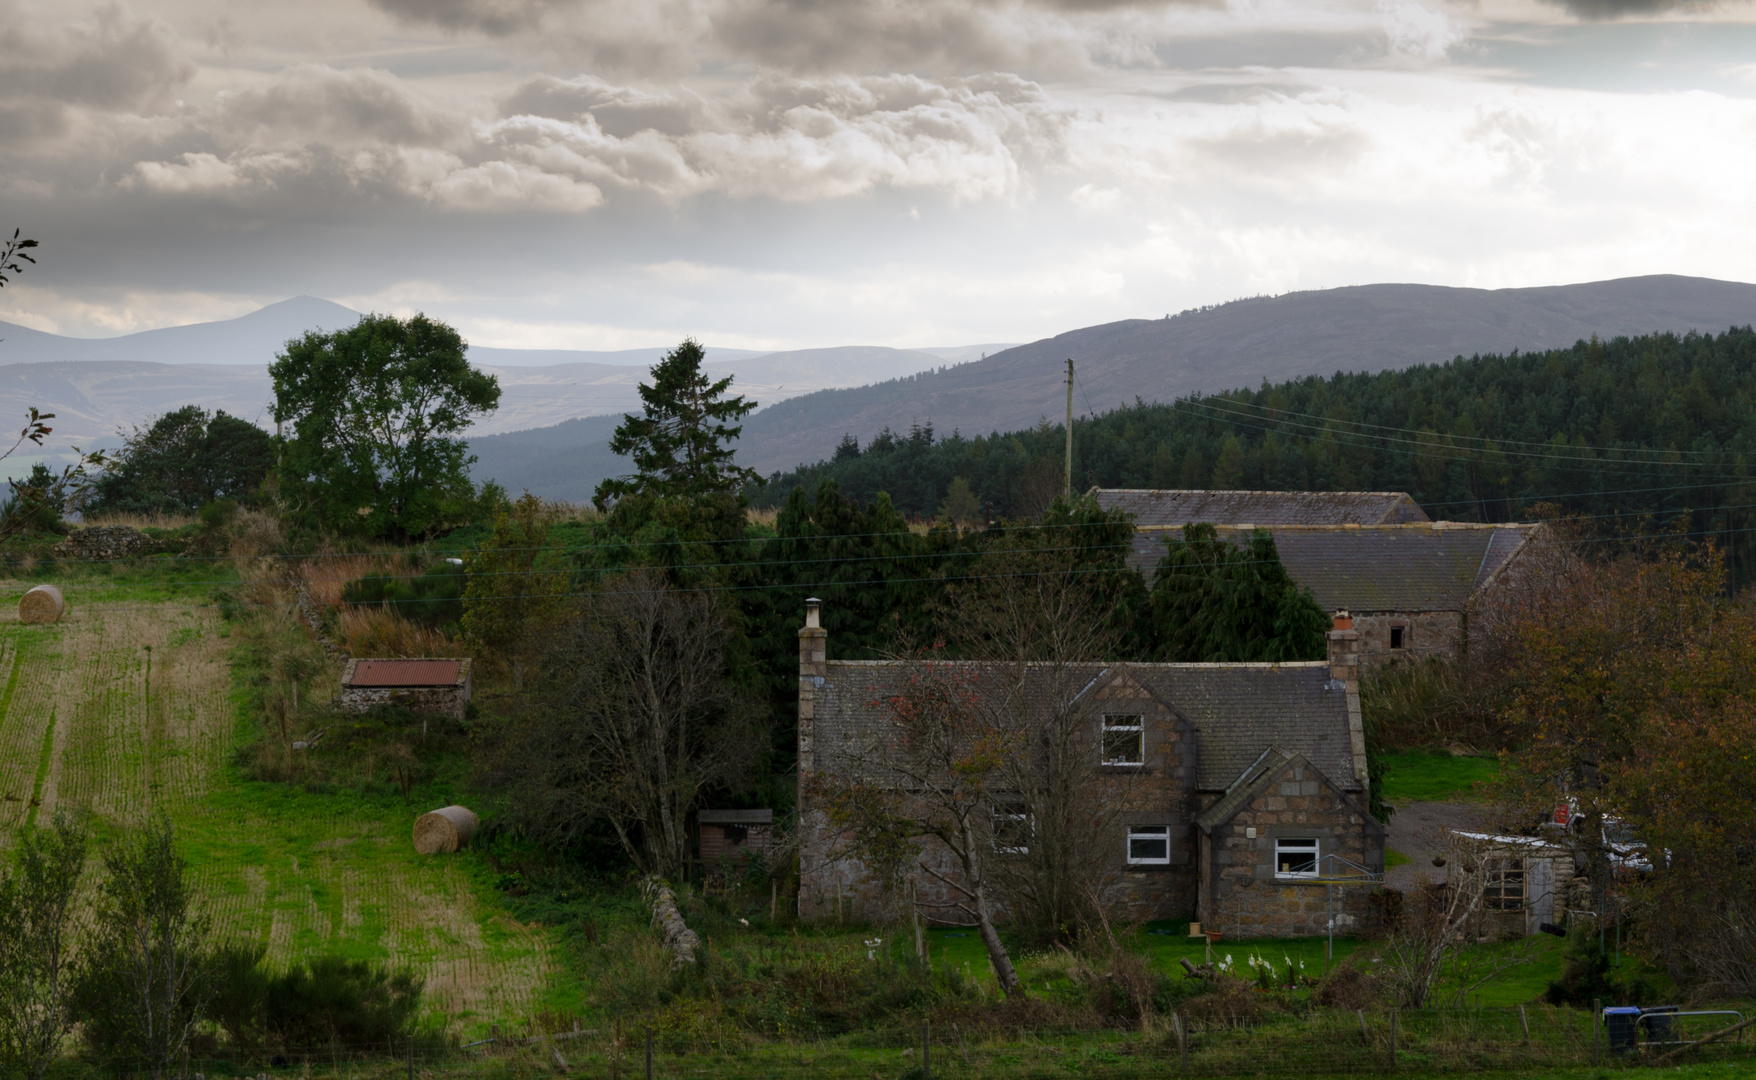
column 1237, row 710
column 1170, row 507
column 1243, row 789
column 1427, row 566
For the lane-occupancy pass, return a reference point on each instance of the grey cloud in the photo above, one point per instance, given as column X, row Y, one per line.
column 619, row 110
column 109, row 61
column 494, row 17
column 315, row 135
column 790, row 138
column 1615, row 9
column 316, row 102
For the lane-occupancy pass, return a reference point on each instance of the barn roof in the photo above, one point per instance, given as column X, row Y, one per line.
column 400, row 673
column 1425, row 566
column 1237, row 710
column 1174, row 507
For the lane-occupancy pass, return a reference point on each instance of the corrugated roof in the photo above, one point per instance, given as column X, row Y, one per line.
column 405, row 672
column 1429, row 566
column 1176, row 507
column 1237, row 710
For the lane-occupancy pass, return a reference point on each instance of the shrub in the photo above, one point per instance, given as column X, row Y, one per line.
column 434, row 599
column 332, row 1000
column 239, row 992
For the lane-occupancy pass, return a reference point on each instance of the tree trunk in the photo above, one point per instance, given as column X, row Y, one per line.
column 972, row 869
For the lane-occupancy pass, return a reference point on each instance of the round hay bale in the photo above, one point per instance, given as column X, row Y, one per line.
column 42, row 604
column 443, row 830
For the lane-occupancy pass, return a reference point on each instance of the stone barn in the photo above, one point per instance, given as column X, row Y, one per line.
column 1409, row 588
column 427, row 687
column 1231, row 787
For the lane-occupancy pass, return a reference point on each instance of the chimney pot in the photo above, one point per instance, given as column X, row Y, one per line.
column 1344, row 621
column 812, row 608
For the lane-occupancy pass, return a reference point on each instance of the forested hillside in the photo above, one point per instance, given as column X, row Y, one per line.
column 1654, row 424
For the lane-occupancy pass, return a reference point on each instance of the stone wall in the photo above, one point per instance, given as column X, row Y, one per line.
column 449, row 701
column 104, row 542
column 1424, row 633
column 1244, row 895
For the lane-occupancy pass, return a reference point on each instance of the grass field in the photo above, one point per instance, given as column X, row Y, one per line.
column 1424, row 777
column 128, row 707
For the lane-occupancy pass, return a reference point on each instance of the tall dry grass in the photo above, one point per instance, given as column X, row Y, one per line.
column 154, row 520
column 374, row 631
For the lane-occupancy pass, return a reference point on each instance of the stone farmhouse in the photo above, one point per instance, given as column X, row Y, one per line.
column 1176, row 508
column 1240, row 790
column 1410, row 588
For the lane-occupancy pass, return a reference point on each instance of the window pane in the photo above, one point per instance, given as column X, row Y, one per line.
column 1149, row 844
column 1123, row 747
column 1297, row 856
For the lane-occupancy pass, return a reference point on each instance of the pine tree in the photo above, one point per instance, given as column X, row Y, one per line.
column 678, row 445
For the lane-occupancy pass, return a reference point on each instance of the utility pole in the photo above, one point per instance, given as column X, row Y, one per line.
column 1069, row 491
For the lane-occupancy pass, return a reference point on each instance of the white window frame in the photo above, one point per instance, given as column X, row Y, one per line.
column 1121, row 722
column 1149, row 832
column 1503, row 883
column 1014, row 816
column 1301, row 845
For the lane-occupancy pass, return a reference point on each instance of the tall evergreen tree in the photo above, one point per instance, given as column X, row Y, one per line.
column 679, row 443
column 1213, row 602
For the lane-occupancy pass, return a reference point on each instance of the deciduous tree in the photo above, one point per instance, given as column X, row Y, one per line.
column 38, row 957
column 375, row 410
column 143, row 992
column 638, row 717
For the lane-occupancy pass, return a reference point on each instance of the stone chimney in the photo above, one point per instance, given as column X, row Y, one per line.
column 1344, row 675
column 813, row 670
column 1344, row 649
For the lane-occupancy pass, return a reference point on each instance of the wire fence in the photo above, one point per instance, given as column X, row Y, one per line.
column 1329, row 1042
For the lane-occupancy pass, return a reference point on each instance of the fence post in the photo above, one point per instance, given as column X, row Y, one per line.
column 927, row 1052
column 411, row 1058
column 1392, row 1039
column 1524, row 1022
column 1182, row 1041
column 1597, row 1005
column 1365, row 1036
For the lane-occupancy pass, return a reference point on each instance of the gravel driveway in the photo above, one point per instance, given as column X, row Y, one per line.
column 1412, row 831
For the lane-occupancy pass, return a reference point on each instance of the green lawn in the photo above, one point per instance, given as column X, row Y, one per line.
column 1423, row 777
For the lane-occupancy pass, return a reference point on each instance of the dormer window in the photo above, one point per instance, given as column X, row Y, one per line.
column 1124, row 739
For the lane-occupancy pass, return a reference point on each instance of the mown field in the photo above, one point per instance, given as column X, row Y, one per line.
column 129, row 706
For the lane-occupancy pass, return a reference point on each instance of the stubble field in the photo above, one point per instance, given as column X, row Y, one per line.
column 127, row 707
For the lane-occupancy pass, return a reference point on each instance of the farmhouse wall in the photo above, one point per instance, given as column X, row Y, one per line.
column 1159, row 792
column 1244, row 894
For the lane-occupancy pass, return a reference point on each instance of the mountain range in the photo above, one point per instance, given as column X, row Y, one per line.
column 96, row 386
column 558, row 408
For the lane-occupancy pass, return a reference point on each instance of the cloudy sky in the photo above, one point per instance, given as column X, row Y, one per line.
column 603, row 174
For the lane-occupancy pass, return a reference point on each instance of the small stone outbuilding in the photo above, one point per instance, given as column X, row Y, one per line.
column 428, row 687
column 731, row 837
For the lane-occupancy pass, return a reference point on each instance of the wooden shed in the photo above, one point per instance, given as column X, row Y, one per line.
column 731, row 835
column 429, row 687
